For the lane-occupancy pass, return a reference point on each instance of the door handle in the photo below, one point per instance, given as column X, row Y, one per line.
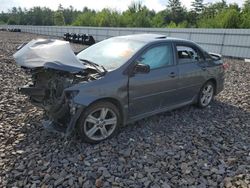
column 172, row 74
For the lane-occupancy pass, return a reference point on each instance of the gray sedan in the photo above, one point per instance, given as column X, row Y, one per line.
column 121, row 80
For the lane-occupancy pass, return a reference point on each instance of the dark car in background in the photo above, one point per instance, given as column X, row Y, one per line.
column 121, row 80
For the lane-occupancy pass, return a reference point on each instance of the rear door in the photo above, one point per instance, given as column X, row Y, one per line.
column 154, row 90
column 192, row 70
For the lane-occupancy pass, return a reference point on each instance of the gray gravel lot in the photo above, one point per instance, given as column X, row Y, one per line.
column 188, row 147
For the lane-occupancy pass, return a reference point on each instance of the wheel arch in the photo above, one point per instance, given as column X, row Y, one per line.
column 114, row 101
column 213, row 80
column 82, row 133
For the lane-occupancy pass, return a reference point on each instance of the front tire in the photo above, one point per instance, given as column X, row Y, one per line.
column 99, row 122
column 206, row 94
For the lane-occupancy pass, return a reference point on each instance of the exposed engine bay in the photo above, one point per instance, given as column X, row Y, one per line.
column 46, row 86
column 46, row 90
column 49, row 77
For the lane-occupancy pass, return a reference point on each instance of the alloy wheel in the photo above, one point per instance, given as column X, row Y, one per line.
column 206, row 95
column 100, row 123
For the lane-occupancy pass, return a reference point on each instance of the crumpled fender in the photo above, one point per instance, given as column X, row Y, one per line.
column 102, row 89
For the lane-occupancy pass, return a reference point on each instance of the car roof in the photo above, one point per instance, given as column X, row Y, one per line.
column 147, row 38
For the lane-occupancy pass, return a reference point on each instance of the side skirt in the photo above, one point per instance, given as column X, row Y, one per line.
column 148, row 114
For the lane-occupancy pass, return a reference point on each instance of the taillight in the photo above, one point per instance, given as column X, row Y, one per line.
column 225, row 66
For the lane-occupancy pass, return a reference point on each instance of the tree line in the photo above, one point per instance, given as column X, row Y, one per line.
column 176, row 15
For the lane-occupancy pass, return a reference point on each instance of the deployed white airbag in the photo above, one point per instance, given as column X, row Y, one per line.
column 41, row 51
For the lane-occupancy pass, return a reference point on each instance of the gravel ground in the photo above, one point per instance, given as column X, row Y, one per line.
column 188, row 147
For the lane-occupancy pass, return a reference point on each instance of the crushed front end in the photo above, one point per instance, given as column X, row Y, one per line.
column 46, row 90
column 48, row 79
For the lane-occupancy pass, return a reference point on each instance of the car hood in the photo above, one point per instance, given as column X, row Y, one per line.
column 48, row 53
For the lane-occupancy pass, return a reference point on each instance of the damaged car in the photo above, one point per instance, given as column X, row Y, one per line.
column 116, row 81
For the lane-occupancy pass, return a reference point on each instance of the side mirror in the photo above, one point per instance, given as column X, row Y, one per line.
column 141, row 68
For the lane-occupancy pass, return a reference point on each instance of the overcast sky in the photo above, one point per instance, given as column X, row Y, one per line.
column 120, row 5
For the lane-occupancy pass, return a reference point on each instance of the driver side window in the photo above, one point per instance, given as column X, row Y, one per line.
column 158, row 56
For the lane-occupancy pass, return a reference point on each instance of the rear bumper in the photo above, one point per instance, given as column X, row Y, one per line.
column 220, row 86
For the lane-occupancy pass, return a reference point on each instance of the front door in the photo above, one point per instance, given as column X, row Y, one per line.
column 155, row 90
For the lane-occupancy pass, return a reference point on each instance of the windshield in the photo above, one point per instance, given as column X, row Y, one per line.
column 111, row 53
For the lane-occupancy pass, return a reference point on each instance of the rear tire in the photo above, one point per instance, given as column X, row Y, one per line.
column 206, row 94
column 100, row 121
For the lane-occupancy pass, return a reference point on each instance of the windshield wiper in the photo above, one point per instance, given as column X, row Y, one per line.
column 95, row 65
column 104, row 69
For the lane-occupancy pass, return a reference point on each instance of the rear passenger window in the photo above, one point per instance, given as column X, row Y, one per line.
column 188, row 54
